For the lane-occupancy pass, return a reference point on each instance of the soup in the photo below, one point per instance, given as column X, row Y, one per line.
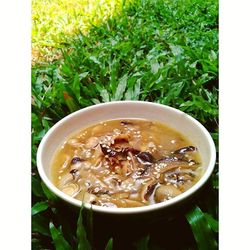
column 126, row 163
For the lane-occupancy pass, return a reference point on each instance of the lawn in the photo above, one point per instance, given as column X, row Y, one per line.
column 163, row 51
column 54, row 21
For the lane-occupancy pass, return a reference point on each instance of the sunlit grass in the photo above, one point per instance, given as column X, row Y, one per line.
column 55, row 21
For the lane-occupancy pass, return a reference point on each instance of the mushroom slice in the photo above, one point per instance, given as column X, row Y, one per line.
column 71, row 189
column 75, row 160
column 147, row 190
column 166, row 192
column 75, row 173
column 98, row 190
column 185, row 149
column 150, row 190
column 125, row 123
column 145, row 158
column 179, row 176
column 133, row 164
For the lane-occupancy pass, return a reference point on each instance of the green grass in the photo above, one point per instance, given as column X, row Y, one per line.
column 163, row 51
column 53, row 21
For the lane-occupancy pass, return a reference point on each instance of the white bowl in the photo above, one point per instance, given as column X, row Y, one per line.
column 174, row 118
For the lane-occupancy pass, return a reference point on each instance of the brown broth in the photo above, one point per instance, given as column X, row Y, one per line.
column 126, row 163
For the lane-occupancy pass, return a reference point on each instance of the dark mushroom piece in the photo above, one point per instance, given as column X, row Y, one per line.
column 185, row 149
column 126, row 123
column 75, row 173
column 108, row 151
column 150, row 190
column 143, row 172
column 143, row 163
column 98, row 190
column 147, row 190
column 131, row 150
column 179, row 177
column 75, row 160
column 145, row 158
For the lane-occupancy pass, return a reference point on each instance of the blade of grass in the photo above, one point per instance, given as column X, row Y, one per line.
column 59, row 242
column 40, row 224
column 83, row 243
column 105, row 95
column 133, row 89
column 48, row 193
column 39, row 207
column 109, row 245
column 76, row 86
column 213, row 223
column 89, row 225
column 142, row 244
column 70, row 102
column 202, row 231
column 36, row 187
column 120, row 88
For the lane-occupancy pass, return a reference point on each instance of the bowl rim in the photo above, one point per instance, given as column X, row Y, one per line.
column 130, row 210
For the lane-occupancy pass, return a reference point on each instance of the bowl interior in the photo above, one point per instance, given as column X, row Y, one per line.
column 176, row 119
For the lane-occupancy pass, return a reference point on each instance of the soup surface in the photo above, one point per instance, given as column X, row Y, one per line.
column 126, row 163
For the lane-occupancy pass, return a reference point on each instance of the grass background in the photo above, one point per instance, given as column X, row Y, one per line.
column 152, row 50
column 54, row 21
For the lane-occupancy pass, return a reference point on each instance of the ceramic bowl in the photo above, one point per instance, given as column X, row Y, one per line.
column 180, row 121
